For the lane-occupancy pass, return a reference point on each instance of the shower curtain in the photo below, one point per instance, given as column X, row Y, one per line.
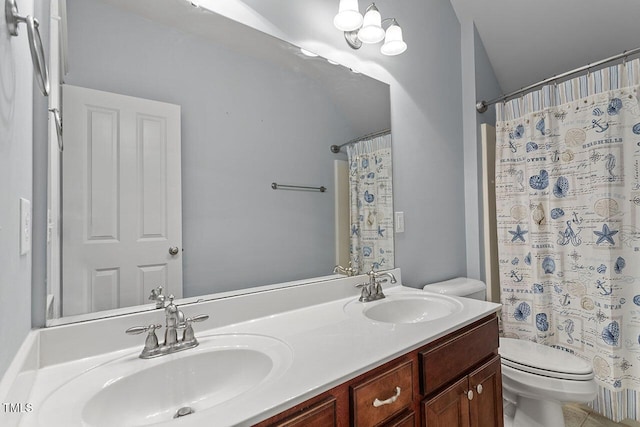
column 568, row 209
column 371, row 202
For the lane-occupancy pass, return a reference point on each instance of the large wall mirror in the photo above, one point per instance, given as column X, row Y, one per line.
column 176, row 123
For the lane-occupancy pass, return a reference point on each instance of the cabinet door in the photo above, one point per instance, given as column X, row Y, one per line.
column 449, row 408
column 486, row 405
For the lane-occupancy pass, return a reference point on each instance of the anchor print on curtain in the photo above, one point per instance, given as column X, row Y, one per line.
column 568, row 209
column 371, row 201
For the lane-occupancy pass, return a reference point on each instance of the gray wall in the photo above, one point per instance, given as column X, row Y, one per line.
column 245, row 124
column 15, row 182
column 487, row 88
column 478, row 82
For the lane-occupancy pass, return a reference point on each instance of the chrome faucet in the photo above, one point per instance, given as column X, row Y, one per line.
column 175, row 321
column 372, row 290
column 156, row 295
column 349, row 271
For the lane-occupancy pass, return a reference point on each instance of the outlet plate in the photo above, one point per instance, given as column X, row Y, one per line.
column 399, row 220
column 25, row 226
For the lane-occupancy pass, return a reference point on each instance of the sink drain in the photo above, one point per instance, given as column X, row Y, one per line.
column 183, row 412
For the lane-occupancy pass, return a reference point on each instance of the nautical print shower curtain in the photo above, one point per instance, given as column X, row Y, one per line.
column 371, row 200
column 568, row 209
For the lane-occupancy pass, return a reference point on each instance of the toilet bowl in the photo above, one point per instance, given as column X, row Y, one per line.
column 536, row 379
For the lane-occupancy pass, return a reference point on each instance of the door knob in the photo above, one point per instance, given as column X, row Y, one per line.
column 479, row 388
column 173, row 250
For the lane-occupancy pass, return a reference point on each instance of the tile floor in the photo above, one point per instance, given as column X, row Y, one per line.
column 582, row 416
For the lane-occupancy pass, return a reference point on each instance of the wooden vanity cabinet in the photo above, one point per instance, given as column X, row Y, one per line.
column 462, row 380
column 474, row 400
column 429, row 387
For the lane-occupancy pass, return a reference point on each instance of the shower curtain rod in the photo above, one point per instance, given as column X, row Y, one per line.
column 336, row 148
column 482, row 106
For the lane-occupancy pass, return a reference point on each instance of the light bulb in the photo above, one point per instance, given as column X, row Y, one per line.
column 371, row 31
column 393, row 43
column 348, row 17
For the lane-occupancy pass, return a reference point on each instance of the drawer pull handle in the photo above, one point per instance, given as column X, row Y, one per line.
column 388, row 401
column 479, row 388
column 470, row 395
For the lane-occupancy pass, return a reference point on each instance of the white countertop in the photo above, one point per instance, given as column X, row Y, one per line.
column 328, row 345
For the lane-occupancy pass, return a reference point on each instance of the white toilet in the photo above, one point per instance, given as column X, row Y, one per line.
column 536, row 379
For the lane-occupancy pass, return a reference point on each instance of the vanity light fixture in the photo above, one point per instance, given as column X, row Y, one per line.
column 369, row 29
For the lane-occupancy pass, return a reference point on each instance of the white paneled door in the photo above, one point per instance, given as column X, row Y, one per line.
column 121, row 209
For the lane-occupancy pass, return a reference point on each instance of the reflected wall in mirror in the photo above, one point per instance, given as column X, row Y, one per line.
column 176, row 123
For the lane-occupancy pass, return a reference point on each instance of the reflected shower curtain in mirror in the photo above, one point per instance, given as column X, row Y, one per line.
column 371, row 201
column 568, row 209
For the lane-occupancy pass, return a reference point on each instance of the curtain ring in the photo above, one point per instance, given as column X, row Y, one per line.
column 624, row 60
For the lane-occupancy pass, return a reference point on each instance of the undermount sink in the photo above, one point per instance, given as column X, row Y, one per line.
column 135, row 392
column 406, row 308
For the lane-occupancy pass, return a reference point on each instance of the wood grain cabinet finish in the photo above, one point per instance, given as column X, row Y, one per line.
column 447, row 358
column 449, row 408
column 434, row 381
column 474, row 400
column 379, row 398
column 405, row 419
column 486, row 406
column 322, row 414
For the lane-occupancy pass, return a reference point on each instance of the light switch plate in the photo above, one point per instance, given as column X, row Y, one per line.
column 25, row 226
column 399, row 220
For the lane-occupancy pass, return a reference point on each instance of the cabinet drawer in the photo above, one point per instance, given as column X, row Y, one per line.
column 406, row 419
column 445, row 362
column 322, row 414
column 382, row 396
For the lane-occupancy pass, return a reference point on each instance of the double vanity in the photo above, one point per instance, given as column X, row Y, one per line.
column 303, row 355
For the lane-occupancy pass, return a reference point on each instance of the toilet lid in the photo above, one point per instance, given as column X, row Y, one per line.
column 542, row 360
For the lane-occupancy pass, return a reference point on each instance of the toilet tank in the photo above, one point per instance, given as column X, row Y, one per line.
column 460, row 287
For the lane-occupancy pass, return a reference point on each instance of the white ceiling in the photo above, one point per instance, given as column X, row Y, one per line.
column 531, row 40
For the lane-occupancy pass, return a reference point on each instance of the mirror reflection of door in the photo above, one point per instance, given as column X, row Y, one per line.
column 121, row 209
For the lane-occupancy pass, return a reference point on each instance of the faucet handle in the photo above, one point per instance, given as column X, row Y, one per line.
column 156, row 295
column 198, row 318
column 188, row 335
column 151, row 343
column 365, row 293
column 135, row 330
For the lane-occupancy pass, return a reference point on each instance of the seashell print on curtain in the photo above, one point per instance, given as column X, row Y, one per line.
column 371, row 200
column 568, row 204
